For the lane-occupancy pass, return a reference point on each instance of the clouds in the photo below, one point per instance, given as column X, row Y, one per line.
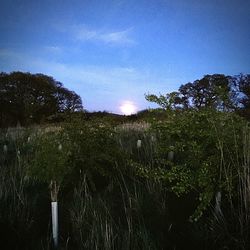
column 53, row 49
column 83, row 33
column 102, row 87
column 120, row 37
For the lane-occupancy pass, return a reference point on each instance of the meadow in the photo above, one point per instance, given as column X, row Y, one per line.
column 174, row 180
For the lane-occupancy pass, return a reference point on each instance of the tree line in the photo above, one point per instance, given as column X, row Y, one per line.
column 27, row 98
column 217, row 91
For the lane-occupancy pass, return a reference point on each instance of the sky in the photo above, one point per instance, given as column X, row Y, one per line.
column 112, row 52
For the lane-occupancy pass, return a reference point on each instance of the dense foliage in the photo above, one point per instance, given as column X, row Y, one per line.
column 172, row 178
column 32, row 98
column 219, row 92
column 178, row 182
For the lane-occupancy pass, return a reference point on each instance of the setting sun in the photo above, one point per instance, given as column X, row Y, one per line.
column 128, row 108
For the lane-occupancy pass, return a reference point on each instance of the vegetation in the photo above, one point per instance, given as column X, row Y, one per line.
column 219, row 92
column 173, row 178
column 27, row 99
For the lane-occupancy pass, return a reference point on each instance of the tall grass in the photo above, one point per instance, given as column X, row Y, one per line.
column 20, row 204
column 230, row 225
column 139, row 141
column 120, row 209
column 113, row 219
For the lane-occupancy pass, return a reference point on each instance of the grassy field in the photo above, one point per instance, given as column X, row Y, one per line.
column 179, row 182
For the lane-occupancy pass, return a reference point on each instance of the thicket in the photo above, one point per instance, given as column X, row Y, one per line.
column 176, row 183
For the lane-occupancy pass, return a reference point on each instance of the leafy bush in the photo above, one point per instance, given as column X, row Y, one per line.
column 116, row 193
column 202, row 143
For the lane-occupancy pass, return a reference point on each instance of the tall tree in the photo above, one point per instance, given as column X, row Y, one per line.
column 212, row 91
column 30, row 98
column 68, row 101
column 241, row 85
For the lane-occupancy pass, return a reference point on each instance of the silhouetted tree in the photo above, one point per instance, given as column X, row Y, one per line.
column 68, row 101
column 30, row 98
column 241, row 85
column 212, row 91
column 219, row 92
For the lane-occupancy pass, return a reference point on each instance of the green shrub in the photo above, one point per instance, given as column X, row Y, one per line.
column 203, row 143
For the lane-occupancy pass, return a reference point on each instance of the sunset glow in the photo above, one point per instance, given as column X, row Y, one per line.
column 128, row 108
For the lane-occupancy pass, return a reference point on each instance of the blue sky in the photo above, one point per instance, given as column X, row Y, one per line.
column 112, row 51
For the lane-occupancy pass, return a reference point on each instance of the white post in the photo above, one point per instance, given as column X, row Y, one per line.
column 170, row 155
column 54, row 211
column 218, row 203
column 138, row 144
